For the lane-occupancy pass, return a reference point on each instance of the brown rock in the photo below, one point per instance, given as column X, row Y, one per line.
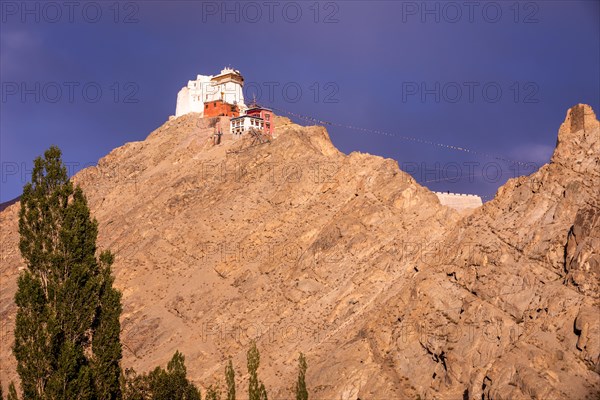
column 347, row 259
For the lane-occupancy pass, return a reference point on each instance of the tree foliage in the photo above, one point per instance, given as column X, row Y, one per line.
column 213, row 393
column 160, row 384
column 230, row 380
column 105, row 343
column 66, row 330
column 262, row 392
column 301, row 392
column 134, row 386
column 256, row 389
column 12, row 392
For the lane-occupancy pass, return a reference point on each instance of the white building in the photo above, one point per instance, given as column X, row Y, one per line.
column 227, row 86
column 244, row 123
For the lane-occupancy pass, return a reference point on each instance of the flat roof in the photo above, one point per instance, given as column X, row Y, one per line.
column 244, row 116
column 259, row 108
column 232, row 75
column 220, row 101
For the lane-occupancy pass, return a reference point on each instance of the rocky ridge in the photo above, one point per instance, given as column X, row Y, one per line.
column 347, row 259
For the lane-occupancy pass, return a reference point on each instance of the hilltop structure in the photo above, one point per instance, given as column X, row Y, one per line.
column 390, row 294
column 256, row 118
column 459, row 201
column 207, row 93
column 222, row 96
column 219, row 108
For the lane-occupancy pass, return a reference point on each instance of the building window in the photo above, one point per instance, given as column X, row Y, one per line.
column 267, row 117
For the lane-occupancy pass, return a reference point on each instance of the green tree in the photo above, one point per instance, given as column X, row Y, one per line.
column 12, row 392
column 256, row 389
column 105, row 343
column 213, row 393
column 134, row 386
column 66, row 303
column 230, row 380
column 301, row 392
column 262, row 392
column 160, row 384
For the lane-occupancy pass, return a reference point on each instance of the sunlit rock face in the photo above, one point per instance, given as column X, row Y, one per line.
column 390, row 294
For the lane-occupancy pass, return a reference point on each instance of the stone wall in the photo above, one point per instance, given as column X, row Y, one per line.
column 459, row 201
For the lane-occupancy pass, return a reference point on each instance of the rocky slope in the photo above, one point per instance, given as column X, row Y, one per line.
column 508, row 307
column 347, row 259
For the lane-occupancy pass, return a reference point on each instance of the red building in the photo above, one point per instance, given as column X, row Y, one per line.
column 218, row 108
column 265, row 114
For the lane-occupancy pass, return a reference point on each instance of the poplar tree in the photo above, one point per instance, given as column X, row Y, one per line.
column 301, row 392
column 135, row 387
column 67, row 324
column 262, row 392
column 230, row 380
column 256, row 389
column 213, row 393
column 253, row 361
column 172, row 384
column 12, row 392
column 106, row 345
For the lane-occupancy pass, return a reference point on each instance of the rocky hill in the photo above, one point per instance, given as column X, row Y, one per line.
column 346, row 258
column 8, row 203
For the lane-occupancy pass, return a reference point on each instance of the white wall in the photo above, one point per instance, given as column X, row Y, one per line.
column 192, row 97
column 246, row 124
column 459, row 201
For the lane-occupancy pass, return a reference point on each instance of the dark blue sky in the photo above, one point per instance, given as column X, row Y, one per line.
column 494, row 77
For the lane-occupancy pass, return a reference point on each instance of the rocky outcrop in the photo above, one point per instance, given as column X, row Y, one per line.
column 495, row 313
column 347, row 259
column 582, row 254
